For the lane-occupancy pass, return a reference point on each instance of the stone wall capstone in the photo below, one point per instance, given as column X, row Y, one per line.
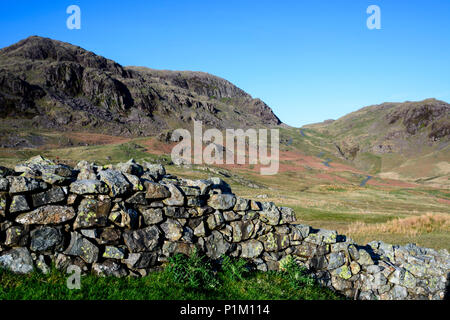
column 129, row 218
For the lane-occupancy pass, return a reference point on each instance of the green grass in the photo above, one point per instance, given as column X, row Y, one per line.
column 184, row 278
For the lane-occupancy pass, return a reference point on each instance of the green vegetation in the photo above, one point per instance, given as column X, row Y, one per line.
column 183, row 278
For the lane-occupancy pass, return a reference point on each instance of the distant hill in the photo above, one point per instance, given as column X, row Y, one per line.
column 53, row 85
column 409, row 140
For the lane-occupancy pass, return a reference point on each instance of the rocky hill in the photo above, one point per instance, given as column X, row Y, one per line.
column 399, row 140
column 48, row 84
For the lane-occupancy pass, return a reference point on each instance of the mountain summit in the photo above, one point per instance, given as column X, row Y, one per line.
column 49, row 84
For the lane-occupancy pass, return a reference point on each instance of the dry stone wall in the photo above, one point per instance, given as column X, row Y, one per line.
column 127, row 219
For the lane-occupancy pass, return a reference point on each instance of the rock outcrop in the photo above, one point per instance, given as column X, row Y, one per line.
column 127, row 219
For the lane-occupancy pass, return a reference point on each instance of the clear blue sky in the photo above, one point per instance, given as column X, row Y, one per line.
column 308, row 60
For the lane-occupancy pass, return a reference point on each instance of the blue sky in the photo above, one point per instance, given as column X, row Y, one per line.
column 308, row 60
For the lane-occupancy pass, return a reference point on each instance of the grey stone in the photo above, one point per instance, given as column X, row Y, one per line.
column 176, row 196
column 19, row 204
column 84, row 187
column 141, row 260
column 335, row 260
column 242, row 230
column 41, row 265
column 17, row 260
column 156, row 171
column 241, row 204
column 203, row 185
column 47, row 215
column 274, row 242
column 231, row 216
column 156, row 191
column 109, row 268
column 3, row 203
column 130, row 167
column 364, row 258
column 287, row 215
column 399, row 292
column 200, row 230
column 172, row 229
column 4, row 184
column 17, row 236
column 46, row 239
column 137, row 198
column 116, row 182
column 135, row 182
column 83, row 248
column 216, row 245
column 124, row 218
column 92, row 213
column 146, row 239
column 215, row 220
column 114, row 252
column 251, row 249
column 152, row 216
column 176, row 212
column 222, row 201
column 270, row 213
column 51, row 196
column 23, row 184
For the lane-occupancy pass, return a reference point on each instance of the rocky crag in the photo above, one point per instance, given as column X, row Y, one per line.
column 52, row 85
column 127, row 219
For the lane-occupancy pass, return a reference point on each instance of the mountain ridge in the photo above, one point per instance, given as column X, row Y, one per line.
column 54, row 83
